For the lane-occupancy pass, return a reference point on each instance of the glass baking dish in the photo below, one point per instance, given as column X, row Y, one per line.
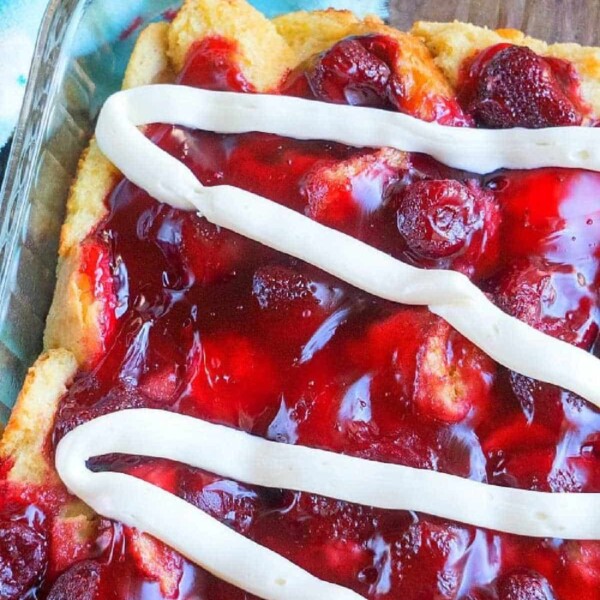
column 79, row 60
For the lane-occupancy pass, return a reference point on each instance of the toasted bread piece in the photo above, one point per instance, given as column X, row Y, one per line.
column 33, row 417
column 264, row 57
column 451, row 43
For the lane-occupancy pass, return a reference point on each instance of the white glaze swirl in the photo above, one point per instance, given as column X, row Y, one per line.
column 240, row 456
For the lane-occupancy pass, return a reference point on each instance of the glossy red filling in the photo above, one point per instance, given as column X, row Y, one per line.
column 209, row 324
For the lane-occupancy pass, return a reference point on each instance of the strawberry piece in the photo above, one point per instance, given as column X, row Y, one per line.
column 161, row 473
column 583, row 562
column 161, row 386
column 156, row 561
column 512, row 86
column 448, row 224
column 83, row 581
column 211, row 253
column 234, row 381
column 520, row 454
column 371, row 71
column 429, row 557
column 23, row 559
column 553, row 299
column 228, row 501
column 280, row 289
column 292, row 294
column 522, row 584
column 332, row 534
column 556, row 301
column 349, row 74
column 213, row 63
column 437, row 218
column 452, row 375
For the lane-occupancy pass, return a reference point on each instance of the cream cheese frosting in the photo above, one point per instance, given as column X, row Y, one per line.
column 240, row 456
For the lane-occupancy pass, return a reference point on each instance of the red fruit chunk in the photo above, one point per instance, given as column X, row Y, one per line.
column 213, row 64
column 448, row 224
column 452, row 376
column 332, row 535
column 349, row 74
column 511, row 86
column 161, row 473
column 523, row 584
column 370, row 71
column 234, row 381
column 520, row 454
column 583, row 561
column 211, row 253
column 427, row 559
column 556, row 301
column 553, row 299
column 82, row 582
column 437, row 218
column 23, row 559
column 156, row 561
column 228, row 501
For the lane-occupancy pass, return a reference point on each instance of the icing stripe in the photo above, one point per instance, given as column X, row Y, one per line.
column 238, row 455
column 451, row 295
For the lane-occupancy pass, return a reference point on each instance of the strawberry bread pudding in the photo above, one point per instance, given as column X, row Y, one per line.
column 326, row 323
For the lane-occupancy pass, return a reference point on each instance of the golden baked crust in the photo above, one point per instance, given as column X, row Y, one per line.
column 73, row 320
column 33, row 417
column 451, row 43
column 263, row 56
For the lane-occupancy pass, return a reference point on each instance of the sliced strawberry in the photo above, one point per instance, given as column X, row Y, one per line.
column 23, row 559
column 448, row 224
column 583, row 561
column 523, row 584
column 83, row 581
column 520, row 454
column 156, row 561
column 330, row 535
column 512, row 86
column 429, row 556
column 161, row 473
column 211, row 253
column 234, row 381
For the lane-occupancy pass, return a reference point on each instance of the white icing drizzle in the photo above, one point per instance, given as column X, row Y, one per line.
column 243, row 457
column 451, row 295
column 240, row 456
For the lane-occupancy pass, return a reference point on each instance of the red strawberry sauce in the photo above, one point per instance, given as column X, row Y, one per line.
column 215, row 326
